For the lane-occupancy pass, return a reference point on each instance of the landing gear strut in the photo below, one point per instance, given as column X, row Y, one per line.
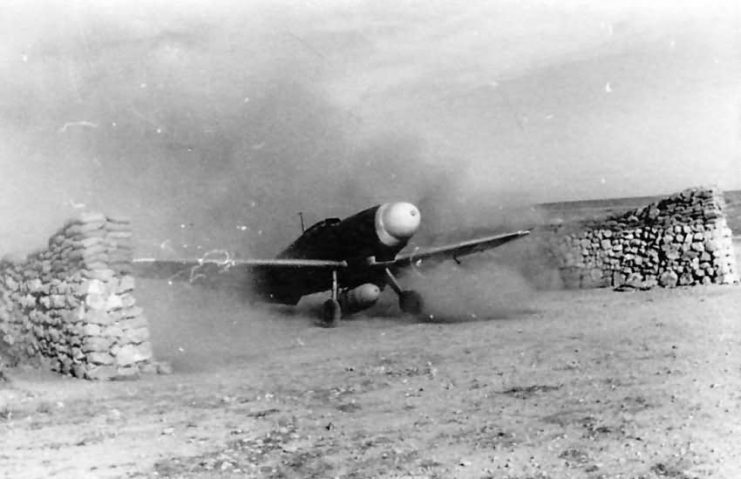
column 410, row 301
column 331, row 310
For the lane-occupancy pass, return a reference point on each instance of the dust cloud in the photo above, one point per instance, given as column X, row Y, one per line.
column 212, row 124
column 498, row 284
column 212, row 128
column 201, row 329
column 480, row 290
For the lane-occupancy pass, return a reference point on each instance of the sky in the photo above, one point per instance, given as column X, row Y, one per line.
column 212, row 124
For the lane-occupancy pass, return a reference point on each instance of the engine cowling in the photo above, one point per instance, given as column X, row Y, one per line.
column 360, row 298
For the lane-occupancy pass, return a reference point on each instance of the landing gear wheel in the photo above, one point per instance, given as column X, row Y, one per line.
column 410, row 302
column 331, row 313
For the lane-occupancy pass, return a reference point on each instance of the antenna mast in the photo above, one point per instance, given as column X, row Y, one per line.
column 301, row 217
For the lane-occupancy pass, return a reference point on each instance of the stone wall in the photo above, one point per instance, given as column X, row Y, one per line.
column 681, row 240
column 71, row 305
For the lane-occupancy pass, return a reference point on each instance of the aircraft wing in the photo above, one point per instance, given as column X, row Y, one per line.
column 209, row 268
column 191, row 270
column 454, row 250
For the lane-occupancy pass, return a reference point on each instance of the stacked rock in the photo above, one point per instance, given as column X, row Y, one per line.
column 679, row 241
column 73, row 305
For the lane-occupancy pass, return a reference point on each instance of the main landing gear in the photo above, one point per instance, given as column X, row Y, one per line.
column 331, row 310
column 331, row 313
column 410, row 301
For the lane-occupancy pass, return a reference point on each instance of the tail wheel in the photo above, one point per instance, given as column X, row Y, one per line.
column 331, row 313
column 410, row 302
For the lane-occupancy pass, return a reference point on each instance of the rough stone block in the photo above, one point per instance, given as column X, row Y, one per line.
column 54, row 335
column 11, row 284
column 131, row 354
column 64, row 364
column 96, row 302
column 78, row 370
column 118, row 219
column 96, row 343
column 100, row 274
column 135, row 312
column 671, row 252
column 35, row 286
column 91, row 286
column 77, row 354
column 58, row 301
column 113, row 302
column 136, row 336
column 99, row 317
column 123, row 234
column 93, row 243
column 91, row 329
column 668, row 279
column 127, row 301
column 125, row 268
column 139, row 321
column 112, row 331
column 98, row 268
column 100, row 357
column 88, row 218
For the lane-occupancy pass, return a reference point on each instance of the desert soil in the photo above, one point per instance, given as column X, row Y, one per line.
column 583, row 384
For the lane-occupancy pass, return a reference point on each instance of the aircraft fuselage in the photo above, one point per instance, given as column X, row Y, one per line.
column 379, row 232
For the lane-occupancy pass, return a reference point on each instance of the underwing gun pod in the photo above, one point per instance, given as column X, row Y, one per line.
column 353, row 258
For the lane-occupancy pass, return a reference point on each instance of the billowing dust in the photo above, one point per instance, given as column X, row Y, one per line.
column 475, row 291
column 212, row 126
column 197, row 328
column 497, row 284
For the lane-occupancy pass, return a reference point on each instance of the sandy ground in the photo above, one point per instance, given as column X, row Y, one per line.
column 592, row 384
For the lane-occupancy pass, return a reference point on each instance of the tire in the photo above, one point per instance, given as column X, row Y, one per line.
column 331, row 313
column 410, row 302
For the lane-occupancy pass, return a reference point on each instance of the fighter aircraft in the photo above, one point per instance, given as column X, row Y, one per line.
column 353, row 259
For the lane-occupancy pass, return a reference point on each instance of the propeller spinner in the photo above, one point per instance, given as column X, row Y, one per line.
column 397, row 222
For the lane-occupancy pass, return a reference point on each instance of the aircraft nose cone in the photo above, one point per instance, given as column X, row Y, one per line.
column 401, row 220
column 396, row 222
